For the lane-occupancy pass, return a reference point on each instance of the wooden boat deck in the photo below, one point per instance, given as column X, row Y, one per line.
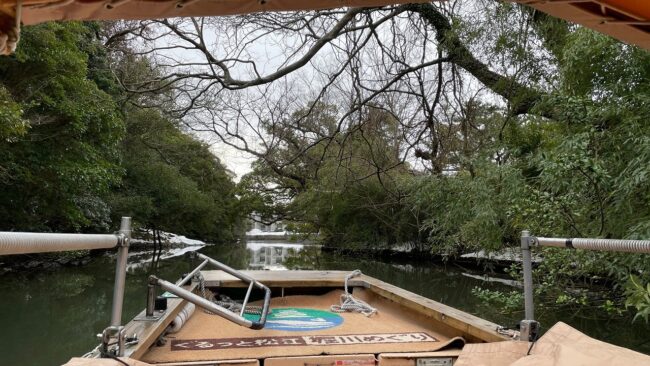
column 406, row 322
column 472, row 328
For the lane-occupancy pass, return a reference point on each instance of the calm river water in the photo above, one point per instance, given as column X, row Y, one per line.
column 51, row 316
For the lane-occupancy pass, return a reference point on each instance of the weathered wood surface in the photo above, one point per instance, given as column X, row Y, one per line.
column 149, row 331
column 280, row 278
column 472, row 327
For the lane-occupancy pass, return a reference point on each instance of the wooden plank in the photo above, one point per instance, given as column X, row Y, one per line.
column 472, row 327
column 149, row 331
column 279, row 278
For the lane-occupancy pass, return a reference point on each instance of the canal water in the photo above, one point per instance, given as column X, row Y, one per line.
column 50, row 316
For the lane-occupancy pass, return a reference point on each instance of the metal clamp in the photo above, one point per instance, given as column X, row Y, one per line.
column 105, row 339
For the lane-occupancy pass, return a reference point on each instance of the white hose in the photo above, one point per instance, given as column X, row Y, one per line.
column 614, row 245
column 181, row 318
column 25, row 243
column 634, row 246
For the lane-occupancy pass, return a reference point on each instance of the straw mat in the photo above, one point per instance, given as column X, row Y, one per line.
column 210, row 337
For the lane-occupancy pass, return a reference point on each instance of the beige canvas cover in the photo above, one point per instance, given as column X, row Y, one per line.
column 562, row 345
column 79, row 361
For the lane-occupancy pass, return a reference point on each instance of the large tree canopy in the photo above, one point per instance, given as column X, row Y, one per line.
column 500, row 119
column 77, row 155
column 423, row 63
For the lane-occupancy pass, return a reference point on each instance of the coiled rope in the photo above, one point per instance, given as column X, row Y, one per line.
column 351, row 304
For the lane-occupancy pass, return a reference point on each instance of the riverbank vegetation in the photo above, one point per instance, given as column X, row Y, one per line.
column 78, row 151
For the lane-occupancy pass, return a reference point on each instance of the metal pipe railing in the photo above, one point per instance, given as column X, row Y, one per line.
column 528, row 276
column 206, row 304
column 120, row 271
column 614, row 245
column 29, row 243
column 192, row 274
column 230, row 270
column 530, row 327
column 201, row 302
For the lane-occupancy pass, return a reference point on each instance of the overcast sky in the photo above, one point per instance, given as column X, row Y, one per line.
column 235, row 160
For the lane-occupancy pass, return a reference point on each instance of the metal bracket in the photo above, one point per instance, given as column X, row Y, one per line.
column 528, row 330
column 144, row 318
column 150, row 313
column 105, row 339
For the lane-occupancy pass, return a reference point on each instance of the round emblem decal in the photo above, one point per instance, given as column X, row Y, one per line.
column 299, row 319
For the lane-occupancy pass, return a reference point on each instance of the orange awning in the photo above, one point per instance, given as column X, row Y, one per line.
column 37, row 11
column 626, row 20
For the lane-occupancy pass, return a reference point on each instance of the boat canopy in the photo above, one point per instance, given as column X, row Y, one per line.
column 14, row 12
column 627, row 20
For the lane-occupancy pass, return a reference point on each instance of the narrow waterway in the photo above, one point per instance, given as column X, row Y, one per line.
column 51, row 316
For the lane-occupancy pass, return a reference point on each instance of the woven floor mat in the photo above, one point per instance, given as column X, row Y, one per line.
column 302, row 326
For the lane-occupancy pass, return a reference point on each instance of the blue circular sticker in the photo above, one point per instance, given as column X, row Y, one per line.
column 299, row 319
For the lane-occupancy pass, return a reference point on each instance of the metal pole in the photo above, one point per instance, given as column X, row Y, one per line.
column 528, row 275
column 151, row 297
column 201, row 302
column 120, row 271
column 192, row 274
column 528, row 328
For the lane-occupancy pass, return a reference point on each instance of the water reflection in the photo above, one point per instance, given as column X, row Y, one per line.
column 272, row 255
column 151, row 258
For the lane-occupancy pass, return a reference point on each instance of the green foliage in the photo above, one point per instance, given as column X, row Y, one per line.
column 468, row 213
column 508, row 302
column 638, row 296
column 345, row 189
column 63, row 156
column 581, row 170
column 173, row 182
column 67, row 163
column 12, row 124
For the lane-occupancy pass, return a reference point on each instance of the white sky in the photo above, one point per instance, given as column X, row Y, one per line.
column 235, row 160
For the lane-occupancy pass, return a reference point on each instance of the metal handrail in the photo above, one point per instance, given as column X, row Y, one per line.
column 615, row 245
column 29, row 243
column 208, row 305
column 529, row 327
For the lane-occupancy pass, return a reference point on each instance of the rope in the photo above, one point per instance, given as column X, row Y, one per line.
column 508, row 332
column 224, row 301
column 351, row 304
column 235, row 307
column 10, row 36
